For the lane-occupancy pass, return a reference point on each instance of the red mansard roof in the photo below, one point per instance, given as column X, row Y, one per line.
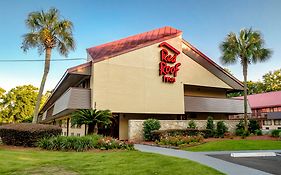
column 269, row 99
column 131, row 43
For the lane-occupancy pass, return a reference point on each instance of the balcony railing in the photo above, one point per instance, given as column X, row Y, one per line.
column 74, row 98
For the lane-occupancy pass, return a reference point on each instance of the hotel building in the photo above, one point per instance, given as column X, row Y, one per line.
column 156, row 74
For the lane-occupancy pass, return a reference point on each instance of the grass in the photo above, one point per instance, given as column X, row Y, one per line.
column 36, row 162
column 232, row 145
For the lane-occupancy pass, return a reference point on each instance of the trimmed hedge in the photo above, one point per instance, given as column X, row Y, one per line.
column 27, row 134
column 157, row 135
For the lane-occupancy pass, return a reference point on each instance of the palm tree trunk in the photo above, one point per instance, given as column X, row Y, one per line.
column 96, row 129
column 245, row 70
column 91, row 128
column 42, row 85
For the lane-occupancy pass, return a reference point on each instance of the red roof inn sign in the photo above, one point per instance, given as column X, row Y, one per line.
column 168, row 68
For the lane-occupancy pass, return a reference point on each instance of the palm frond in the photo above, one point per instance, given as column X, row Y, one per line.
column 51, row 32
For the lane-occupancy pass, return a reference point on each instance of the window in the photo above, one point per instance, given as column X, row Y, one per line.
column 78, row 126
column 65, row 133
column 72, row 134
column 267, row 128
column 60, row 123
column 277, row 122
column 78, row 134
column 73, row 126
column 267, row 122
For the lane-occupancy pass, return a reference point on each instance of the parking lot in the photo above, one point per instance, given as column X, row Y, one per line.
column 267, row 164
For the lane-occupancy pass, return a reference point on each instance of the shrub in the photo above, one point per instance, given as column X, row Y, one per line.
column 253, row 126
column 239, row 131
column 221, row 129
column 180, row 140
column 192, row 124
column 275, row 133
column 245, row 134
column 159, row 134
column 258, row 132
column 73, row 143
column 148, row 126
column 27, row 134
column 210, row 126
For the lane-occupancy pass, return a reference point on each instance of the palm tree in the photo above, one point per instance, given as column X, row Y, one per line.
column 248, row 48
column 92, row 118
column 47, row 31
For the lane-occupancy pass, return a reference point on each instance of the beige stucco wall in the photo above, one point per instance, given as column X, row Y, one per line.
column 130, row 83
column 135, row 132
column 123, row 127
column 195, row 74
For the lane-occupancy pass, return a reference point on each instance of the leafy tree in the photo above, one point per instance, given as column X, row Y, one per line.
column 272, row 81
column 18, row 104
column 248, row 48
column 47, row 31
column 93, row 118
column 2, row 95
column 2, row 92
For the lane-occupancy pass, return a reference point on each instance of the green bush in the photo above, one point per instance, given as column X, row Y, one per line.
column 27, row 134
column 221, row 129
column 253, row 126
column 275, row 133
column 192, row 124
column 180, row 140
column 258, row 132
column 159, row 134
column 148, row 126
column 239, row 131
column 210, row 126
column 73, row 143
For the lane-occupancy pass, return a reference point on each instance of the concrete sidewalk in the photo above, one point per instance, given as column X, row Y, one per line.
column 201, row 157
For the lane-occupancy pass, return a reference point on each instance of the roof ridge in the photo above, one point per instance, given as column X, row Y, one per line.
column 114, row 48
column 271, row 92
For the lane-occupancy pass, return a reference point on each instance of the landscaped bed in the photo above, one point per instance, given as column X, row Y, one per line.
column 233, row 144
column 28, row 161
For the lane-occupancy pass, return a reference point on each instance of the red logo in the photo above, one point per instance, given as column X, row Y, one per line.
column 165, row 67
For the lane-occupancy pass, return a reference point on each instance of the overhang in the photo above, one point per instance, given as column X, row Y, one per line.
column 72, row 77
column 274, row 115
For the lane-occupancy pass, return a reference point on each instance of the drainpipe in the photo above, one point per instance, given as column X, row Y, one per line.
column 67, row 126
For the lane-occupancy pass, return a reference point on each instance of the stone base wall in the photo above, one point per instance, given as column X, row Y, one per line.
column 135, row 127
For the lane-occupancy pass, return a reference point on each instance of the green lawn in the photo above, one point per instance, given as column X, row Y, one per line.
column 35, row 162
column 230, row 145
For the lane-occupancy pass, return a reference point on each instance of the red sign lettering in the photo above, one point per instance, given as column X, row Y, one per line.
column 166, row 59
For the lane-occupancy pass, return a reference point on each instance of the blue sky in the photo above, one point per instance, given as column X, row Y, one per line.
column 204, row 24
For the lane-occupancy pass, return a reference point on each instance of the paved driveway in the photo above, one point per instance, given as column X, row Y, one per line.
column 266, row 164
column 206, row 158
